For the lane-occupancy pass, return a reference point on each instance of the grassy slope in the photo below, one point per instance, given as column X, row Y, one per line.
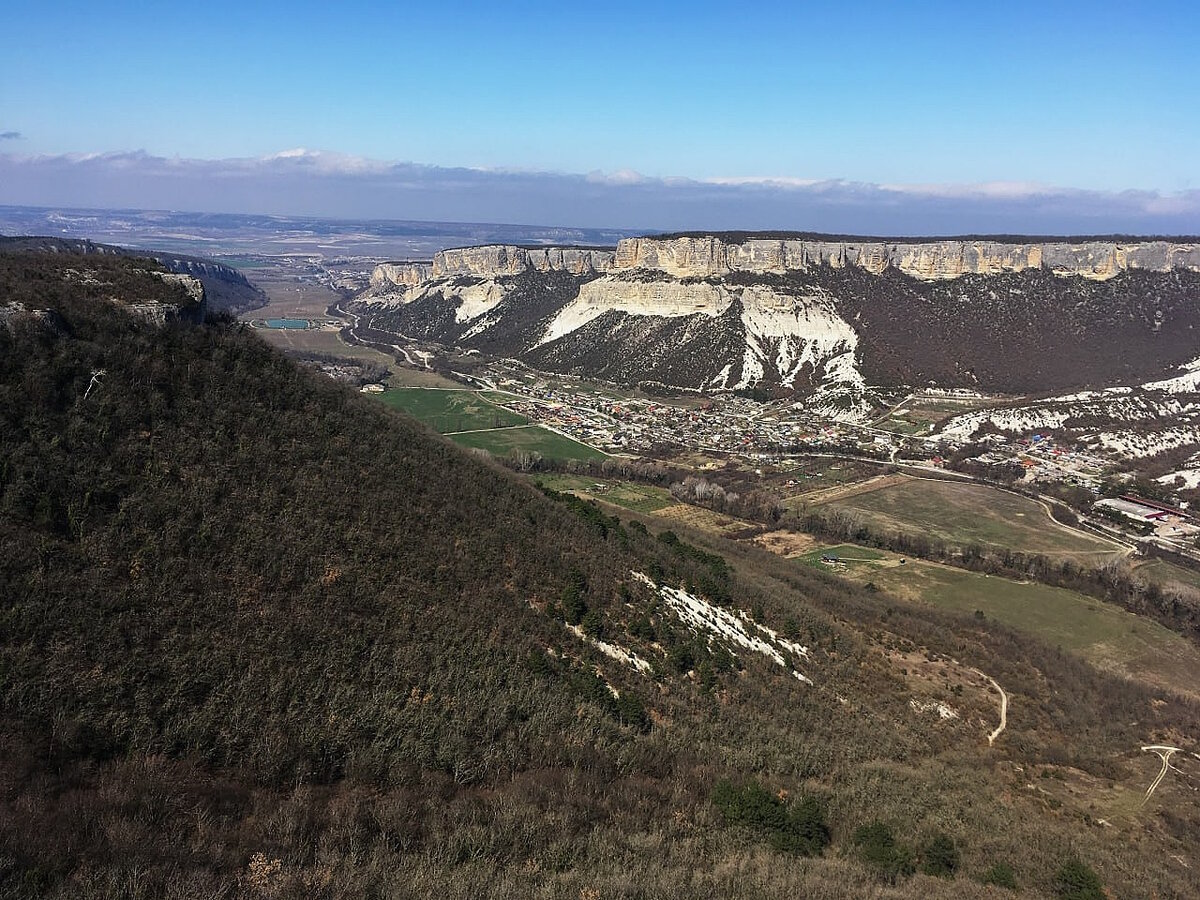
column 261, row 635
column 446, row 411
column 1163, row 572
column 532, row 439
column 625, row 494
column 1100, row 632
column 965, row 513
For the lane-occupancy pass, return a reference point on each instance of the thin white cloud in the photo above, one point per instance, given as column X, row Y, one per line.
column 1002, row 189
column 765, row 181
column 300, row 181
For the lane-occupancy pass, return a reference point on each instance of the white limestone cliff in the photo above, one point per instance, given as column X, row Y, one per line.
column 709, row 256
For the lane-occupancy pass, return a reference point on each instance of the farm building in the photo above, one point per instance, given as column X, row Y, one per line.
column 1154, row 504
column 1137, row 511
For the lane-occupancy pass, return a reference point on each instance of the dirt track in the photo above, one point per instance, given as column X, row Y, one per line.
column 1003, row 708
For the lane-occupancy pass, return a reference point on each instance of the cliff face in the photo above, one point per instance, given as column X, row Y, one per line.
column 406, row 275
column 492, row 261
column 193, row 308
column 711, row 257
column 505, row 260
column 708, row 312
column 704, row 257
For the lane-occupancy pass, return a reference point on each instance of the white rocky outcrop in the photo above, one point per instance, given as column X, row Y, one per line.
column 710, row 256
column 404, row 275
column 654, row 298
column 190, row 284
column 492, row 261
column 786, row 333
column 733, row 628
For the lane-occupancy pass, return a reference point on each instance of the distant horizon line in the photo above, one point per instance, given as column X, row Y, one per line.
column 727, row 235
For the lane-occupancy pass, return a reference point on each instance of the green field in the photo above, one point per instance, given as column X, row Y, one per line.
column 531, row 438
column 963, row 514
column 1102, row 633
column 450, row 411
column 642, row 498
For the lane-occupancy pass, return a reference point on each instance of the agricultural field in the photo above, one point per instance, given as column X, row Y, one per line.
column 702, row 519
column 964, row 514
column 527, row 438
column 817, row 474
column 450, row 411
column 1104, row 634
column 643, row 498
column 900, row 424
column 407, row 376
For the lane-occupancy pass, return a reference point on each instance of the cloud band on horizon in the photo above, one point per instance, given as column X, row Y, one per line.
column 303, row 182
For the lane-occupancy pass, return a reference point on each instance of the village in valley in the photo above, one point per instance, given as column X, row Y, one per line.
column 780, row 435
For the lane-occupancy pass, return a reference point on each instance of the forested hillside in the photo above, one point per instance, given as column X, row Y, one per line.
column 262, row 637
column 226, row 289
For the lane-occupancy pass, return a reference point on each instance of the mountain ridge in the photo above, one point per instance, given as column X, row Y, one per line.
column 719, row 254
column 832, row 318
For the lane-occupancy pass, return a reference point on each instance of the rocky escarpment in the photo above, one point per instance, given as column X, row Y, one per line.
column 811, row 314
column 709, row 256
column 225, row 288
column 712, row 256
column 493, row 261
column 32, row 280
column 403, row 275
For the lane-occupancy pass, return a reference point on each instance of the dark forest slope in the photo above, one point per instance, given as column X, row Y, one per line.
column 262, row 637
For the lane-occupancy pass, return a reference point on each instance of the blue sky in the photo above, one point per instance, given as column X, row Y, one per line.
column 1099, row 97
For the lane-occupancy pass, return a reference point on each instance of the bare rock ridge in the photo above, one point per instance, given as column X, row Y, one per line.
column 705, row 257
